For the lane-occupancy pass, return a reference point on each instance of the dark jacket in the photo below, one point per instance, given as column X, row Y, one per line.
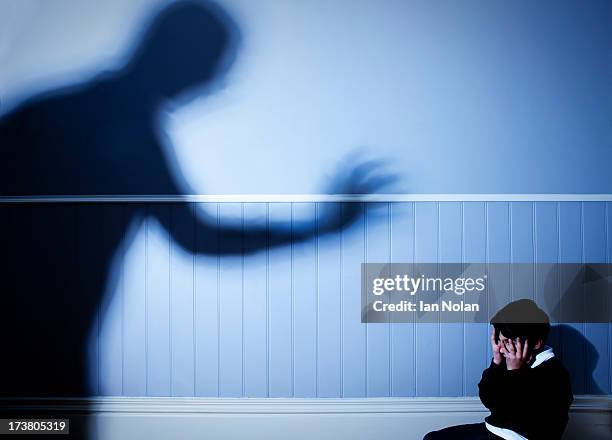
column 533, row 402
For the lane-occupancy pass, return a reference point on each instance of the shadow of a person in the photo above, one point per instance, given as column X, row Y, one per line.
column 579, row 355
column 99, row 138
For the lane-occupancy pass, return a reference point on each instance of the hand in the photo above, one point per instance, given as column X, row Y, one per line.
column 515, row 353
column 495, row 347
column 354, row 176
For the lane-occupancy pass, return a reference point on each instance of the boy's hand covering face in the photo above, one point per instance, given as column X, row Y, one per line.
column 515, row 351
column 496, row 347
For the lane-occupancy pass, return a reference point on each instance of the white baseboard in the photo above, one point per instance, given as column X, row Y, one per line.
column 153, row 418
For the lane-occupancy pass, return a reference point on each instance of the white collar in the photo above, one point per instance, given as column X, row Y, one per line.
column 543, row 356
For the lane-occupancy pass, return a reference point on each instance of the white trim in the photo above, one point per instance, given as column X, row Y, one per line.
column 169, row 418
column 202, row 405
column 263, row 198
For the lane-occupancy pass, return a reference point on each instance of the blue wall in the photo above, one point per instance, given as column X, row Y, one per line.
column 286, row 322
column 475, row 96
column 465, row 97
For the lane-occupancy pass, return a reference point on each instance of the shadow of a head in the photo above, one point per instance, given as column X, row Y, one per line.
column 188, row 46
column 103, row 134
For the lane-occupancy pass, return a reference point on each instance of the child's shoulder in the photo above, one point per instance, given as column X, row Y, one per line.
column 552, row 366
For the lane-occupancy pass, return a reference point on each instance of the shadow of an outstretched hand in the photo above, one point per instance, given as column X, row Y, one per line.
column 358, row 177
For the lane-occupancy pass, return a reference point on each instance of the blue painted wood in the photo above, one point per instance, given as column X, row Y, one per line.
column 329, row 383
column 596, row 359
column 547, row 251
column 305, row 312
column 256, row 307
column 134, row 309
column 182, row 303
column 230, row 307
column 280, row 306
column 608, row 214
column 546, row 232
column 88, row 226
column 112, row 328
column 522, row 233
column 452, row 347
column 403, row 343
column 158, row 305
column 286, row 321
column 499, row 250
column 378, row 349
column 477, row 352
column 522, row 250
column 353, row 331
column 206, row 316
column 428, row 334
column 573, row 343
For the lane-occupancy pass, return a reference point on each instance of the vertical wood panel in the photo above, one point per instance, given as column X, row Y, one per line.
column 328, row 311
column 158, row 304
column 230, row 304
column 596, row 357
column 378, row 336
column 546, row 232
column 547, row 251
column 111, row 329
column 499, row 251
column 305, row 306
column 608, row 213
column 55, row 232
column 256, row 307
column 280, row 305
column 476, row 356
column 403, row 344
column 206, row 316
column 452, row 347
column 165, row 332
column 182, row 301
column 522, row 250
column 570, row 231
column 428, row 334
column 353, row 331
column 88, row 259
column 134, row 354
column 573, row 344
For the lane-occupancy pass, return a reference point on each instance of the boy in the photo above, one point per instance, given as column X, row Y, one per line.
column 526, row 387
